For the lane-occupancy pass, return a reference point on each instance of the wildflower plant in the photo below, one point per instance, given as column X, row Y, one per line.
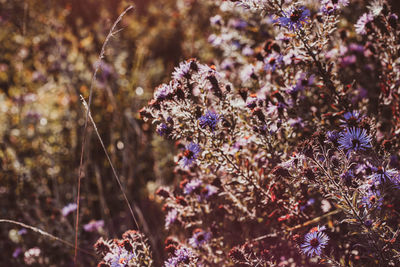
column 284, row 135
column 131, row 250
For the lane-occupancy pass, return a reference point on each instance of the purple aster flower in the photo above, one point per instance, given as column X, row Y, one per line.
column 238, row 24
column 209, row 190
column 314, row 242
column 209, row 119
column 356, row 48
column 294, row 18
column 364, row 22
column 394, row 161
column 354, row 139
column 94, row 226
column 119, row 257
column 247, row 51
column 182, row 255
column 310, row 202
column 296, row 123
column 348, row 60
column 330, row 6
column 382, row 175
column 192, row 186
column 372, row 199
column 190, row 154
column 273, row 61
column 22, row 231
column 215, row 40
column 182, row 71
column 162, row 92
column 163, row 129
column 68, row 209
column 301, row 84
column 333, row 136
column 216, row 20
column 351, row 118
column 171, row 217
column 199, row 238
column 17, row 252
column 347, row 177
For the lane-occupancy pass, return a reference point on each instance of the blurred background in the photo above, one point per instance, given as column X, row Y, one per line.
column 48, row 52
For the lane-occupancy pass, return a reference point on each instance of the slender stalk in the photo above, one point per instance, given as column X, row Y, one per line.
column 322, row 72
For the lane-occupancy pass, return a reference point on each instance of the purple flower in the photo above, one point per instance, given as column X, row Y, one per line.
column 210, row 119
column 351, row 119
column 171, row 218
column 372, row 199
column 364, row 22
column 216, row 20
column 356, row 48
column 238, row 24
column 190, row 154
column 294, row 18
column 182, row 71
column 273, row 61
column 348, row 60
column 199, row 238
column 333, row 136
column 68, row 209
column 163, row 129
column 209, row 190
column 119, row 257
column 330, row 6
column 354, row 139
column 301, row 84
column 94, row 226
column 17, row 252
column 314, row 242
column 22, row 231
column 162, row 92
column 382, row 175
column 192, row 186
column 182, row 255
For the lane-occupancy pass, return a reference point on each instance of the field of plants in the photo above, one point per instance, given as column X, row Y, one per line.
column 200, row 133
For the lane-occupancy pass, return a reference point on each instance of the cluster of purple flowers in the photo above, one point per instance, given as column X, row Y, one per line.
column 182, row 257
column 210, row 120
column 296, row 135
column 131, row 250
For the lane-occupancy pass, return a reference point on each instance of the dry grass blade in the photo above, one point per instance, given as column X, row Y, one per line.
column 110, row 162
column 40, row 231
column 110, row 34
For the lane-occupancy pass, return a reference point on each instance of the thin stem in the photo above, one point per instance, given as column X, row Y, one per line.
column 322, row 72
column 112, row 165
